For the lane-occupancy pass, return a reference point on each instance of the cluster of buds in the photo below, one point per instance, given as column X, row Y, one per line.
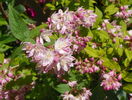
column 124, row 13
column 58, row 57
column 79, row 43
column 83, row 95
column 111, row 81
column 87, row 66
column 114, row 30
column 16, row 94
column 68, row 22
column 6, row 75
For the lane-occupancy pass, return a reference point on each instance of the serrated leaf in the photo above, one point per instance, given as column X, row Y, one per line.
column 18, row 27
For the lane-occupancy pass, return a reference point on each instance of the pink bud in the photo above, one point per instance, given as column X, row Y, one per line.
column 119, row 77
column 99, row 62
column 91, row 59
column 10, row 75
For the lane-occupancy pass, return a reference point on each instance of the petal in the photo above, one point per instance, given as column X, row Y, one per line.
column 58, row 66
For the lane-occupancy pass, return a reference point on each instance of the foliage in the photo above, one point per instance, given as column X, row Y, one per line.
column 103, row 44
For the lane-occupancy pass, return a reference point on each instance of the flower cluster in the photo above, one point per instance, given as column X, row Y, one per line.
column 79, row 43
column 84, row 95
column 112, row 28
column 111, row 81
column 68, row 22
column 85, row 17
column 58, row 58
column 124, row 13
column 87, row 66
column 16, row 94
column 6, row 75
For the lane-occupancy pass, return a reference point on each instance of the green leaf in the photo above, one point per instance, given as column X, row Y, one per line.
column 126, row 62
column 128, row 77
column 111, row 9
column 92, row 52
column 7, row 39
column 99, row 17
column 20, row 8
column 98, row 92
column 109, row 26
column 102, row 34
column 122, row 95
column 36, row 31
column 128, row 87
column 51, row 6
column 3, row 22
column 18, row 27
column 111, row 64
column 123, row 27
column 110, row 50
column 128, row 54
column 1, row 58
column 120, row 51
column 4, row 47
column 62, row 88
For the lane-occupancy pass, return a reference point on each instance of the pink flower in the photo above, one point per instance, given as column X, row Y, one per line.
column 62, row 22
column 41, row 1
column 42, row 56
column 64, row 63
column 72, row 83
column 86, row 17
column 62, row 46
column 110, row 81
column 45, row 34
column 130, row 32
column 124, row 13
column 85, row 95
column 67, row 96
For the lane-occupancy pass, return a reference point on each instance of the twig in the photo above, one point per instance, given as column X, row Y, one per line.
column 3, row 12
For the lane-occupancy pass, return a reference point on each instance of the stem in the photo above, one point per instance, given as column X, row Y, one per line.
column 3, row 12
